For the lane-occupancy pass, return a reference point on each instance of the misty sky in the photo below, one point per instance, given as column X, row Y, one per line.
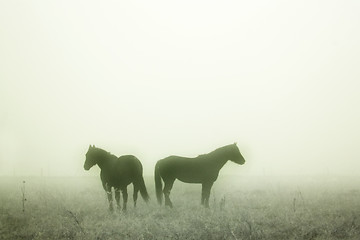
column 156, row 78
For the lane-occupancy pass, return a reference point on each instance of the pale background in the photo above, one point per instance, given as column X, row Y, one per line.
column 156, row 78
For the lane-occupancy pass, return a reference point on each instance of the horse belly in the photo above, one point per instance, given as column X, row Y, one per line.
column 190, row 180
column 191, row 176
column 184, row 169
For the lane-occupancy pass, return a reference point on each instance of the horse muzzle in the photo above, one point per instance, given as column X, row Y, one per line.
column 242, row 162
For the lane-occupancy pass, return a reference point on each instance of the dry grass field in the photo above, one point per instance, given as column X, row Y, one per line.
column 241, row 208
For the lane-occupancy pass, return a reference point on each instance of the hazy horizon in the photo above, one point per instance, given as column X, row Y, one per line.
column 162, row 78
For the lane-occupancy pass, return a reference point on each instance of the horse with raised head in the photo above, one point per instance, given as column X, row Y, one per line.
column 203, row 169
column 117, row 173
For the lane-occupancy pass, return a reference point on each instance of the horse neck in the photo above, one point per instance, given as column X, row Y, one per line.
column 218, row 159
column 101, row 163
column 104, row 160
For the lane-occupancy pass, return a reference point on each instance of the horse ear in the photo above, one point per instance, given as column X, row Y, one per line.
column 89, row 146
column 235, row 143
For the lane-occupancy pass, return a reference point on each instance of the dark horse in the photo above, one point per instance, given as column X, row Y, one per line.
column 117, row 173
column 203, row 169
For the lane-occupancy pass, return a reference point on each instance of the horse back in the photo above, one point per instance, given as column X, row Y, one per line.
column 191, row 170
column 122, row 171
column 128, row 163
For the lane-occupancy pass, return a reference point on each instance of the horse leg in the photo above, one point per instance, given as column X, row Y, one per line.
column 117, row 198
column 135, row 194
column 167, row 188
column 206, row 188
column 202, row 194
column 109, row 196
column 125, row 197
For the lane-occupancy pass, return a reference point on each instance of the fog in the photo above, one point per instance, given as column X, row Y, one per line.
column 159, row 78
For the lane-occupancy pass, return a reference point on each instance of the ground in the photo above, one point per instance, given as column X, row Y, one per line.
column 240, row 208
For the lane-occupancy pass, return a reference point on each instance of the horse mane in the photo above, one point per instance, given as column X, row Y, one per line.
column 215, row 152
column 104, row 153
column 222, row 150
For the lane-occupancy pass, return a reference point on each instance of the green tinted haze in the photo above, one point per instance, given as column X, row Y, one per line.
column 155, row 78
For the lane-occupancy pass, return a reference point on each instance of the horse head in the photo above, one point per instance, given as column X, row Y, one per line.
column 90, row 160
column 236, row 155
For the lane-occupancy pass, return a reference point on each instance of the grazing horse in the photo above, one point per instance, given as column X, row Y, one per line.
column 117, row 173
column 203, row 169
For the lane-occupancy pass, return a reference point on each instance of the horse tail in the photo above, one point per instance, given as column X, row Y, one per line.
column 143, row 190
column 158, row 184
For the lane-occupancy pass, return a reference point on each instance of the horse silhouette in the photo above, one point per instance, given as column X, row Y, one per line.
column 117, row 173
column 203, row 169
